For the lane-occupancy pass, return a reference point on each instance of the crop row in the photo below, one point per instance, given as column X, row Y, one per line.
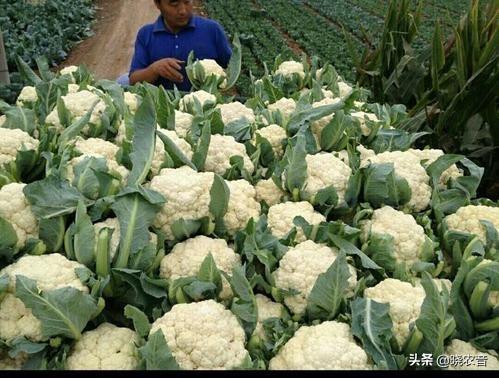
column 447, row 11
column 49, row 29
column 260, row 40
column 316, row 35
column 352, row 16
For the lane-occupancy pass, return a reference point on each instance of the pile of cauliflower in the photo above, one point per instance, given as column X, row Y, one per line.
column 239, row 270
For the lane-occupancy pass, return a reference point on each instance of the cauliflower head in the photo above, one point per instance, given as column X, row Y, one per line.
column 78, row 104
column 407, row 166
column 242, row 206
column 186, row 258
column 461, row 348
column 286, row 106
column 221, row 149
column 107, row 347
column 408, row 236
column 27, row 96
column 203, row 335
column 299, row 269
column 205, row 99
column 467, row 219
column 289, row 68
column 345, row 89
column 325, row 169
column 405, row 303
column 13, row 140
column 132, row 101
column 326, row 346
column 187, row 195
column 211, row 67
column 15, row 209
column 266, row 309
column 234, row 111
column 114, row 224
column 281, row 216
column 97, row 148
column 183, row 123
column 275, row 135
column 52, row 271
column 361, row 117
column 69, row 70
column 268, row 191
column 319, row 125
column 8, row 363
column 428, row 156
column 159, row 151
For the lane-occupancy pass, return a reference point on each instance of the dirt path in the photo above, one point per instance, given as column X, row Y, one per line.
column 109, row 51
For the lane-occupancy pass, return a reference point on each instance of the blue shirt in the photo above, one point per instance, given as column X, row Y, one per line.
column 154, row 42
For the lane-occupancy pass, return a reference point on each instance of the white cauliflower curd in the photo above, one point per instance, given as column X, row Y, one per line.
column 326, row 346
column 203, row 336
column 186, row 258
column 107, row 347
column 299, row 269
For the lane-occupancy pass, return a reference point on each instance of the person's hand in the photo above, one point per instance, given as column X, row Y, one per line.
column 169, row 68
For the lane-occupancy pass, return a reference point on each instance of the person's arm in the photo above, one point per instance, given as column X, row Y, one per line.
column 224, row 50
column 140, row 66
column 142, row 69
column 169, row 68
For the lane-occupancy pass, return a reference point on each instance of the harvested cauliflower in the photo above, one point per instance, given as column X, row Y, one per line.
column 114, row 224
column 324, row 170
column 15, row 209
column 361, row 117
column 286, row 106
column 27, row 97
column 78, row 104
column 266, row 310
column 97, row 148
column 428, row 156
column 467, row 219
column 107, row 347
column 186, row 258
column 320, row 124
column 159, row 151
column 407, row 166
column 205, row 99
column 275, row 135
column 69, row 70
column 299, row 269
column 12, row 141
column 268, row 191
column 289, row 68
column 345, row 89
column 234, row 111
column 408, row 236
column 132, row 101
column 243, row 206
column 461, row 348
column 326, row 346
column 281, row 216
column 183, row 123
column 221, row 149
column 405, row 303
column 8, row 363
column 52, row 271
column 210, row 67
column 203, row 336
column 187, row 195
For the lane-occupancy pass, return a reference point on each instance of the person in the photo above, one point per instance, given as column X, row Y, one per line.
column 162, row 48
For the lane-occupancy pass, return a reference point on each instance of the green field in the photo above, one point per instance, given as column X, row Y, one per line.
column 289, row 27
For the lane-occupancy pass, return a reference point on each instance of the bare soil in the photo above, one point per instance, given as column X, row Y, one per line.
column 109, row 51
